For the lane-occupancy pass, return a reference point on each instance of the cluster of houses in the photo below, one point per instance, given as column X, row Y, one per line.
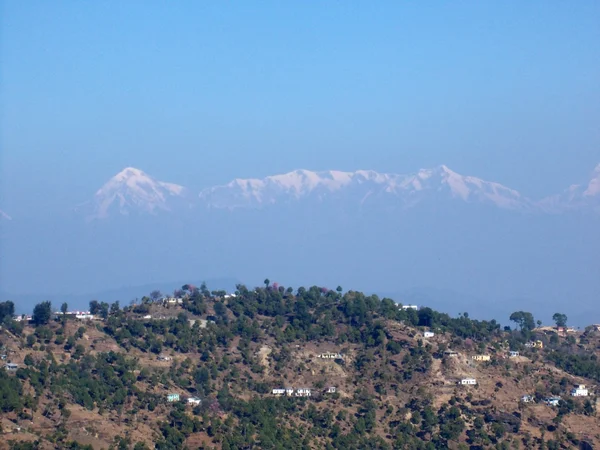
column 170, row 301
column 193, row 401
column 479, row 358
column 330, row 355
column 24, row 318
column 535, row 344
column 79, row 315
column 578, row 391
column 300, row 392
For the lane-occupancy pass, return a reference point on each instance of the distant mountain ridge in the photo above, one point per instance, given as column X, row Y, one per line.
column 132, row 191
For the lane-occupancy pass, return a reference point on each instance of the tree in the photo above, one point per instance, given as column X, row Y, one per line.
column 7, row 309
column 267, row 282
column 64, row 308
column 560, row 319
column 94, row 307
column 115, row 308
column 523, row 319
column 155, row 295
column 42, row 313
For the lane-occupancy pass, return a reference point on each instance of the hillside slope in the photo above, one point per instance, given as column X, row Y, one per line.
column 375, row 380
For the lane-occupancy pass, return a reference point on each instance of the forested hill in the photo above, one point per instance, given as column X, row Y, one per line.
column 278, row 368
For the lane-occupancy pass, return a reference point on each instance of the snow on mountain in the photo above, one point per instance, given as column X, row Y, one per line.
column 4, row 216
column 584, row 196
column 133, row 191
column 363, row 185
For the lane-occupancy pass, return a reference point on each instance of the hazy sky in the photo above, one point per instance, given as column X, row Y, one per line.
column 202, row 92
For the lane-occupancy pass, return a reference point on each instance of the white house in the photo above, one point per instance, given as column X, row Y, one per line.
column 164, row 358
column 451, row 353
column 23, row 318
column 173, row 397
column 481, row 357
column 278, row 391
column 84, row 316
column 579, row 391
column 468, row 381
column 331, row 390
column 405, row 307
column 527, row 399
column 147, row 316
column 289, row 391
column 11, row 366
column 428, row 334
column 303, row 392
column 513, row 354
column 330, row 355
column 194, row 401
column 552, row 401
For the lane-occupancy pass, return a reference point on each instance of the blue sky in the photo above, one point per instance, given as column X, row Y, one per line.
column 202, row 92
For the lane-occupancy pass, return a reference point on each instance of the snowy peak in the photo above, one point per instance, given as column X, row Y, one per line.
column 468, row 188
column 593, row 187
column 133, row 191
column 4, row 216
column 585, row 196
column 362, row 186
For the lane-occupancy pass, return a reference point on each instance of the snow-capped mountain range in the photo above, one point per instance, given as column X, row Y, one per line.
column 132, row 191
column 364, row 186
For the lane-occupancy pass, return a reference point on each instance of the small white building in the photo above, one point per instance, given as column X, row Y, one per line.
column 481, row 357
column 330, row 355
column 552, row 401
column 84, row 316
column 173, row 398
column 467, row 381
column 11, row 366
column 428, row 334
column 331, row 390
column 23, row 318
column 405, row 307
column 513, row 354
column 289, row 391
column 147, row 316
column 303, row 392
column 164, row 358
column 451, row 353
column 194, row 401
column 278, row 391
column 579, row 391
column 527, row 399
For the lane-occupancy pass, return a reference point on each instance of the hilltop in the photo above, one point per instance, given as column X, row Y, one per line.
column 379, row 374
